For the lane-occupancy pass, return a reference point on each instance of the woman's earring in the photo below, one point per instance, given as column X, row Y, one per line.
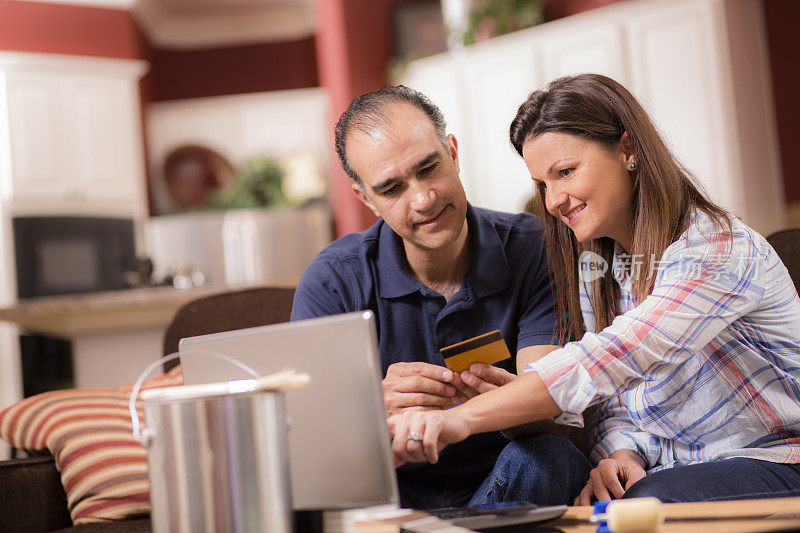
column 632, row 165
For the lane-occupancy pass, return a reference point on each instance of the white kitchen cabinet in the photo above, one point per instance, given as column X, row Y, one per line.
column 74, row 136
column 572, row 47
column 107, row 153
column 699, row 67
column 678, row 73
column 499, row 78
column 36, row 155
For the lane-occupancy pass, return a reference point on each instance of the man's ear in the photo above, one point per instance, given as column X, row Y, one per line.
column 361, row 195
column 452, row 143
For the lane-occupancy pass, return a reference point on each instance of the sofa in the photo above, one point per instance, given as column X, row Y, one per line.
column 32, row 500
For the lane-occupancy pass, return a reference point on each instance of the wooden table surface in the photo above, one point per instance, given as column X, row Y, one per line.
column 743, row 516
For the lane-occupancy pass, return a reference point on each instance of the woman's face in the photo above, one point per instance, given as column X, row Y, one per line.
column 586, row 185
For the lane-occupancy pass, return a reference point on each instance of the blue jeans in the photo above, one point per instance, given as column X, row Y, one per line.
column 726, row 479
column 544, row 469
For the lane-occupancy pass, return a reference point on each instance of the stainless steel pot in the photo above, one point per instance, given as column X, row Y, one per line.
column 217, row 455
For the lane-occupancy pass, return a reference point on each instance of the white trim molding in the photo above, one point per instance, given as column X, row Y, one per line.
column 71, row 63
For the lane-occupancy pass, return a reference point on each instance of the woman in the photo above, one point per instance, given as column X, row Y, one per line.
column 692, row 324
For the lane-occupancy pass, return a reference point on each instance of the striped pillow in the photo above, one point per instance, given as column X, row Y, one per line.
column 88, row 432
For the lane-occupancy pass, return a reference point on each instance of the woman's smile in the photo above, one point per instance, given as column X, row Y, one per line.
column 573, row 213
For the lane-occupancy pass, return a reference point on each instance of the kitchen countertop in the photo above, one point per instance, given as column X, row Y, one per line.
column 75, row 315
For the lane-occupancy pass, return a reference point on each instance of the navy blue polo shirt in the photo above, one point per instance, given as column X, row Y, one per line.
column 506, row 287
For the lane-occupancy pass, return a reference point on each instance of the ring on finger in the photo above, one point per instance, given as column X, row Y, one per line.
column 413, row 435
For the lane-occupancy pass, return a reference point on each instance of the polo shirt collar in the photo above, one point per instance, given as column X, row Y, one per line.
column 487, row 274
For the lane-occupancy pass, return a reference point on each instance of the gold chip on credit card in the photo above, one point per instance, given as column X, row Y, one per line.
column 488, row 348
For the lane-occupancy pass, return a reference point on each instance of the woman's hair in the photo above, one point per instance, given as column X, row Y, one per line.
column 664, row 194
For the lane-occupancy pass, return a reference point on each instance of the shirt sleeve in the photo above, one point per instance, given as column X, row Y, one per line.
column 614, row 430
column 702, row 285
column 322, row 290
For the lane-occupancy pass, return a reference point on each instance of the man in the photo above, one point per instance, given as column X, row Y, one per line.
column 436, row 271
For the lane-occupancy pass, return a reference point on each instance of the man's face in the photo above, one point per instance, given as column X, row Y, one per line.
column 409, row 179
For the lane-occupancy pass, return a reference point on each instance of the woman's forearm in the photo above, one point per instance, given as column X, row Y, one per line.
column 523, row 400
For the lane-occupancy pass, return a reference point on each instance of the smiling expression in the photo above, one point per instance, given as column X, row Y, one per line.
column 409, row 179
column 586, row 185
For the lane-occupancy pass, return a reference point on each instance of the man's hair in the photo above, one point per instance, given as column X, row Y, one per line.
column 369, row 111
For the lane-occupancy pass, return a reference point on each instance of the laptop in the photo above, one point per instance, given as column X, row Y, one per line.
column 339, row 444
column 500, row 516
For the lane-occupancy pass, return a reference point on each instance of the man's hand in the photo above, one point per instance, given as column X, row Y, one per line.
column 419, row 436
column 418, row 386
column 612, row 477
column 480, row 378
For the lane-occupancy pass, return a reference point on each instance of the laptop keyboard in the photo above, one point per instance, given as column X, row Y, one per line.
column 448, row 513
column 498, row 516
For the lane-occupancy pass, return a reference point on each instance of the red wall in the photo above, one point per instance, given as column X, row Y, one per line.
column 63, row 29
column 240, row 69
column 782, row 17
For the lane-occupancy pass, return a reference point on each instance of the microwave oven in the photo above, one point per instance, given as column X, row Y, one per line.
column 66, row 255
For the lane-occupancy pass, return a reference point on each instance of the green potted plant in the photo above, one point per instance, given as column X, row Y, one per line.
column 490, row 18
column 258, row 184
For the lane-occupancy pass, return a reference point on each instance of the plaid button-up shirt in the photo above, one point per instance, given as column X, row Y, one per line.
column 706, row 367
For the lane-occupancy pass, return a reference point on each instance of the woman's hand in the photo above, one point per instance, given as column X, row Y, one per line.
column 418, row 436
column 612, row 477
column 480, row 378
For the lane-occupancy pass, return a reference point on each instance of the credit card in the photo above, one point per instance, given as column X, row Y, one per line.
column 488, row 348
